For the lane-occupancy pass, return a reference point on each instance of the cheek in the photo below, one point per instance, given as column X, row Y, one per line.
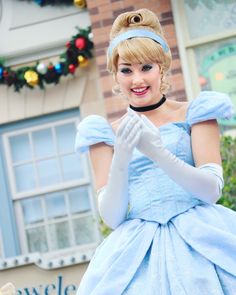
column 123, row 82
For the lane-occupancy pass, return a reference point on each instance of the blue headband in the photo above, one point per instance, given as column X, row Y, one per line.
column 134, row 34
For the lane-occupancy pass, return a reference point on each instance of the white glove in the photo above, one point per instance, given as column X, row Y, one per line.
column 113, row 198
column 205, row 182
column 8, row 289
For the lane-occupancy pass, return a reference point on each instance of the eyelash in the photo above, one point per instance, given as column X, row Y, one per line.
column 145, row 68
column 125, row 71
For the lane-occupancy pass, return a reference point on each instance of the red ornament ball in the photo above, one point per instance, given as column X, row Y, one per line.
column 80, row 43
column 68, row 44
column 71, row 68
column 50, row 67
column 5, row 73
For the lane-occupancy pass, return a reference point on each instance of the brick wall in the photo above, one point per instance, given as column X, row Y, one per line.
column 102, row 14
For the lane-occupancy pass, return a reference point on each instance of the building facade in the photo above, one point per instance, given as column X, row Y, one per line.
column 49, row 226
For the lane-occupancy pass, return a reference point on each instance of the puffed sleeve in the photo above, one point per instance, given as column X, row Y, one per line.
column 209, row 105
column 91, row 130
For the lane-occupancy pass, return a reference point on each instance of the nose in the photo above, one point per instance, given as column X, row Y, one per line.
column 137, row 78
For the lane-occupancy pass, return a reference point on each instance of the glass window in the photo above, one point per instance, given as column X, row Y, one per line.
column 216, row 68
column 65, row 135
column 84, row 230
column 32, row 210
column 51, row 187
column 70, row 168
column 36, row 238
column 49, row 172
column 20, row 148
column 207, row 30
column 205, row 18
column 45, row 158
column 79, row 200
column 25, row 178
column 55, row 205
column 43, row 143
column 59, row 220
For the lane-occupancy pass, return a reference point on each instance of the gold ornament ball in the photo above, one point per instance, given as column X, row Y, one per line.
column 31, row 77
column 80, row 3
column 83, row 62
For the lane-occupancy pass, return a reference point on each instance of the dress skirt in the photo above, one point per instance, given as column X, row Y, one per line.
column 192, row 254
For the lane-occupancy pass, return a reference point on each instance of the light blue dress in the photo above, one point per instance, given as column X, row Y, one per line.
column 171, row 243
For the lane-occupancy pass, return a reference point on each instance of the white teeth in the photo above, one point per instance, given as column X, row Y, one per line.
column 139, row 89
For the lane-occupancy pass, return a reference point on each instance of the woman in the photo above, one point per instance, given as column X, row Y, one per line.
column 158, row 175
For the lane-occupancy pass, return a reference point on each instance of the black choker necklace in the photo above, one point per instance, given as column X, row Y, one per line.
column 149, row 108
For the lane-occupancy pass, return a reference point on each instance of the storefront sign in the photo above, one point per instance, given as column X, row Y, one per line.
column 55, row 288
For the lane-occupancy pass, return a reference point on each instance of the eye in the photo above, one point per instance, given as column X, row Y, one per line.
column 125, row 70
column 146, row 68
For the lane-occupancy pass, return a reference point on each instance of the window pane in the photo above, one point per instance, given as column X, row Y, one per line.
column 36, row 238
column 84, row 230
column 216, row 68
column 66, row 137
column 48, row 172
column 43, row 143
column 55, row 204
column 59, row 235
column 20, row 148
column 32, row 210
column 210, row 17
column 24, row 177
column 79, row 200
column 72, row 167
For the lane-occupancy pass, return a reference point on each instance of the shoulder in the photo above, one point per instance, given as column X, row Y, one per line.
column 209, row 105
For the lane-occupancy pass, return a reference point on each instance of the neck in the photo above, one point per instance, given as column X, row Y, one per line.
column 150, row 107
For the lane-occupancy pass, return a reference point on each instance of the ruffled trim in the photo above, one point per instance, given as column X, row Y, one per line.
column 91, row 130
column 209, row 105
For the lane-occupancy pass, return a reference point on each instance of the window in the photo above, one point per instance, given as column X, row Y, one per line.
column 206, row 31
column 50, row 187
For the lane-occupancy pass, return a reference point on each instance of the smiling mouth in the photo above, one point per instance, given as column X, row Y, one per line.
column 140, row 91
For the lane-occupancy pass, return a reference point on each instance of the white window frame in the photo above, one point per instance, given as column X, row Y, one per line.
column 186, row 48
column 22, row 228
column 52, row 188
column 16, row 197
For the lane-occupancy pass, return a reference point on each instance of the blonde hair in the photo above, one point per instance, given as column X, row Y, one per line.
column 139, row 50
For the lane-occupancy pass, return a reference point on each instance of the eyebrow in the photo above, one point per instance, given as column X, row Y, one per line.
column 124, row 64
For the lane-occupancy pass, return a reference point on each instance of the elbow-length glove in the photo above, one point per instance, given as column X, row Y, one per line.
column 205, row 181
column 113, row 197
column 8, row 289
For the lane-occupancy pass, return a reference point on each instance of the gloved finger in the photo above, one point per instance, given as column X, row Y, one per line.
column 122, row 125
column 137, row 128
column 133, row 143
column 127, row 127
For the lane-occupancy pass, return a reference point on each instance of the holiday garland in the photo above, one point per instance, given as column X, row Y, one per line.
column 77, row 54
column 77, row 3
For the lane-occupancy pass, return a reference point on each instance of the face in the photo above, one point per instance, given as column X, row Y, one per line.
column 139, row 83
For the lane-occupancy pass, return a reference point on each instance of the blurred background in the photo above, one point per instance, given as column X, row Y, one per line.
column 53, row 74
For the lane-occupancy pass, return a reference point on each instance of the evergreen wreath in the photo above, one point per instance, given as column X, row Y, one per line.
column 76, row 55
column 78, row 3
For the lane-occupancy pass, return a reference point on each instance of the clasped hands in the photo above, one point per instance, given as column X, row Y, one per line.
column 139, row 132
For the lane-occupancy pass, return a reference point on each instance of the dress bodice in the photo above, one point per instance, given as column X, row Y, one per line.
column 153, row 195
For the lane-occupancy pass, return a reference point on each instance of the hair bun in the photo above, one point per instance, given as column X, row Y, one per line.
column 134, row 19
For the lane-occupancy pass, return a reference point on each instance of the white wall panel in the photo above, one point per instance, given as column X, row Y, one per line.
column 29, row 32
column 71, row 92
